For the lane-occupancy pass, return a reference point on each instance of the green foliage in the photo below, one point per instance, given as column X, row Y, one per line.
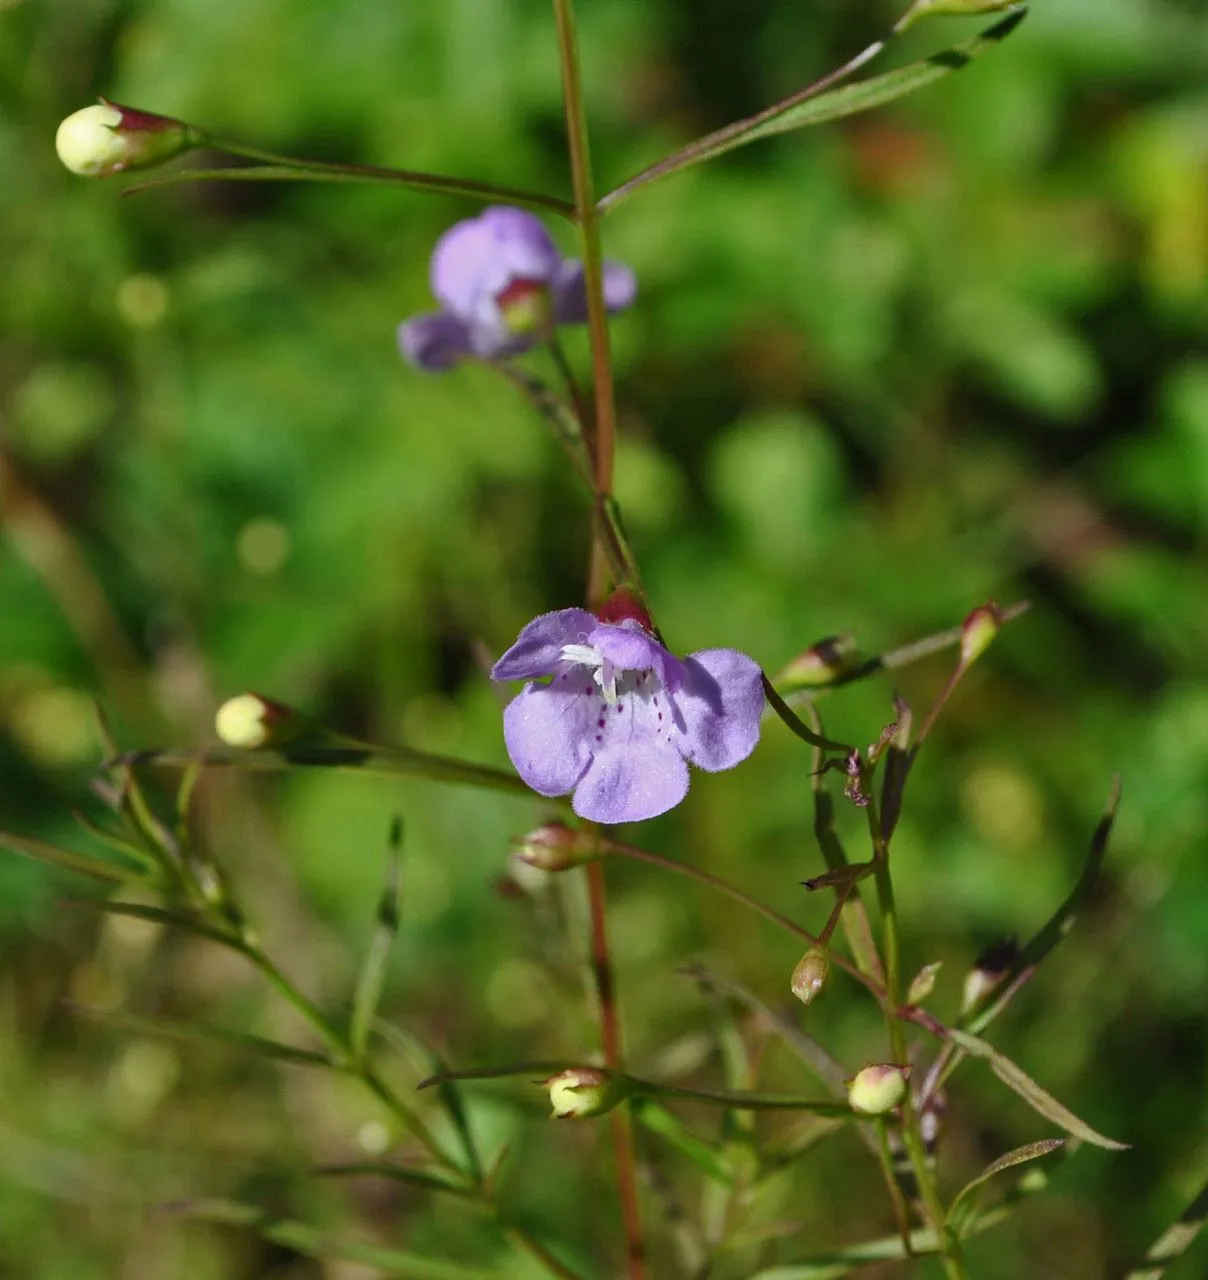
column 880, row 372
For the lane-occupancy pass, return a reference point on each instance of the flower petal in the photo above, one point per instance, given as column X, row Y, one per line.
column 547, row 731
column 721, row 703
column 627, row 646
column 538, row 648
column 433, row 342
column 570, row 296
column 630, row 782
column 478, row 257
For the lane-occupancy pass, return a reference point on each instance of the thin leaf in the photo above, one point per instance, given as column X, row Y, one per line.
column 176, row 919
column 702, row 1154
column 813, row 106
column 420, row 1178
column 194, row 1031
column 77, row 863
column 449, row 1093
column 1056, row 928
column 373, row 970
column 842, row 1262
column 1021, row 1155
column 1174, row 1241
column 540, row 1067
column 1016, row 1079
column 829, row 1070
column 315, row 1243
column 377, row 760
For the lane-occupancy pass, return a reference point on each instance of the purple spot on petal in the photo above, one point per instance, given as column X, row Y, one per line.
column 587, row 689
column 600, row 722
column 599, row 737
column 620, row 708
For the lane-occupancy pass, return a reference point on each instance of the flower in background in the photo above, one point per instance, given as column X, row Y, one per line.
column 502, row 286
column 622, row 718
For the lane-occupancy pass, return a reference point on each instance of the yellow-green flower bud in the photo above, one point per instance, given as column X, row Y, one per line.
column 557, row 847
column 108, row 138
column 978, row 631
column 809, row 975
column 250, row 722
column 878, row 1088
column 580, row 1092
column 821, row 664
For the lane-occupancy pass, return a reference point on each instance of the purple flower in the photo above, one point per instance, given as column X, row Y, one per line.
column 622, row 718
column 501, row 284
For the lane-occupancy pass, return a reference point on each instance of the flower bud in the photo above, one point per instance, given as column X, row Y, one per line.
column 924, row 982
column 580, row 1092
column 988, row 971
column 821, row 664
column 978, row 630
column 250, row 722
column 623, row 606
column 809, row 975
column 108, row 138
column 878, row 1088
column 557, row 847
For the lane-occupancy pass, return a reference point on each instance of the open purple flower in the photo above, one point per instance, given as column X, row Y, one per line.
column 622, row 718
column 501, row 284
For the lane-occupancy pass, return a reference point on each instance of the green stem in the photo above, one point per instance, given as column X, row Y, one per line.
column 924, row 1172
column 343, row 1056
column 323, row 170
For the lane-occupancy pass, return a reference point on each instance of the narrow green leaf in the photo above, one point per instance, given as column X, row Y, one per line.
column 373, row 970
column 377, row 760
column 829, row 1070
column 1059, row 924
column 964, row 1201
column 702, row 1154
column 166, row 1029
column 1174, row 1241
column 1016, row 1079
column 539, row 1069
column 821, row 102
column 843, row 1261
column 316, row 1243
column 65, row 860
column 449, row 1093
column 421, row 1178
column 176, row 919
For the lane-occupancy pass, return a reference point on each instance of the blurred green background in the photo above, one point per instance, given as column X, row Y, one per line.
column 880, row 372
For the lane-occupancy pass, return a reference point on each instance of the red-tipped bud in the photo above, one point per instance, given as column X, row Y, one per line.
column 580, row 1092
column 978, row 631
column 557, row 847
column 878, row 1088
column 250, row 722
column 988, row 971
column 622, row 606
column 108, row 138
column 809, row 975
column 821, row 664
